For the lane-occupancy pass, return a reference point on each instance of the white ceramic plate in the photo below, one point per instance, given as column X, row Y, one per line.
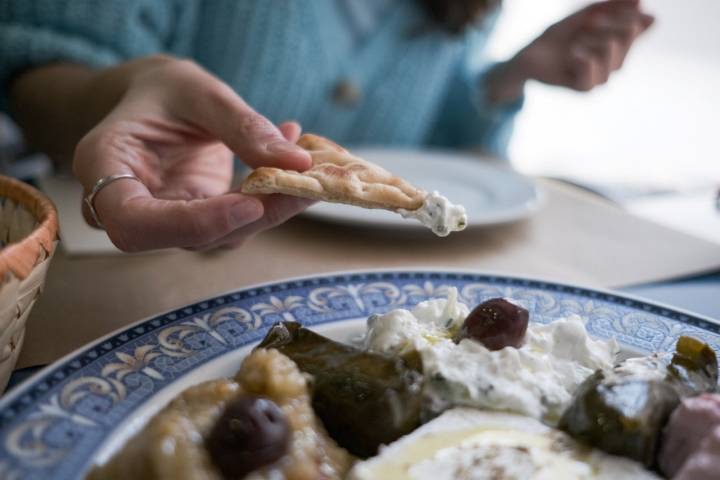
column 83, row 407
column 490, row 190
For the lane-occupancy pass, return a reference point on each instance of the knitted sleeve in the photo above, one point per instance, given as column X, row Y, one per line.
column 96, row 33
column 466, row 118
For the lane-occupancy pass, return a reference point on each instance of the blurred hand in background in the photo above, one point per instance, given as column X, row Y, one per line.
column 579, row 52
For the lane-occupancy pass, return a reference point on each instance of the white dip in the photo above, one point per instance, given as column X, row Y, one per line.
column 537, row 379
column 438, row 214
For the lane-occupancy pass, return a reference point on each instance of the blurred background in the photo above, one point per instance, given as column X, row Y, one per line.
column 649, row 139
column 655, row 124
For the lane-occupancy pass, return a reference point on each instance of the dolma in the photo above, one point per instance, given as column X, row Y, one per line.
column 624, row 410
column 364, row 399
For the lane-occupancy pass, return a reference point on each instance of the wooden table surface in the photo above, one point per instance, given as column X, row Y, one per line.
column 575, row 238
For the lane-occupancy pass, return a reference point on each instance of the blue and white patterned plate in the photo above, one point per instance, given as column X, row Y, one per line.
column 78, row 410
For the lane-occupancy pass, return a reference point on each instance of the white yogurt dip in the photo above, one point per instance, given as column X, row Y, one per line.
column 438, row 214
column 401, row 331
column 538, row 379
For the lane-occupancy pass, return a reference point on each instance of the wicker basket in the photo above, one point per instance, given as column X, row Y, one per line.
column 28, row 235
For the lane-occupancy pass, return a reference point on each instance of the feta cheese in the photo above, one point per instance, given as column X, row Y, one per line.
column 467, row 444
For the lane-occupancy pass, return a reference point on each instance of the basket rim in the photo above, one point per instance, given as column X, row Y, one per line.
column 19, row 258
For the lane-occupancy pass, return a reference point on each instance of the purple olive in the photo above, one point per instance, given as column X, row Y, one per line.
column 495, row 323
column 251, row 433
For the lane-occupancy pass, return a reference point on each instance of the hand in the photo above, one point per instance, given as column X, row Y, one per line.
column 176, row 127
column 579, row 52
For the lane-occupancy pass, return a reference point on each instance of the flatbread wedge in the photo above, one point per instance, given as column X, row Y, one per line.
column 337, row 176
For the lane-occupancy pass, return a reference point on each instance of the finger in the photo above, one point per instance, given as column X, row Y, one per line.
column 607, row 25
column 580, row 18
column 87, row 216
column 277, row 210
column 628, row 24
column 95, row 158
column 584, row 69
column 137, row 221
column 617, row 35
column 646, row 21
column 291, row 131
column 640, row 24
column 252, row 137
column 617, row 6
column 618, row 52
column 607, row 49
column 621, row 23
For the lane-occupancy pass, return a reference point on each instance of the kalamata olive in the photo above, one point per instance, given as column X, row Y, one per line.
column 495, row 323
column 252, row 432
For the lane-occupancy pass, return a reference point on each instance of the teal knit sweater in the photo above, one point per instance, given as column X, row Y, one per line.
column 417, row 84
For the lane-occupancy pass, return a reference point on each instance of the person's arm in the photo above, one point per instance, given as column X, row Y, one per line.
column 52, row 50
column 66, row 77
column 46, row 105
column 579, row 52
column 83, row 32
column 468, row 116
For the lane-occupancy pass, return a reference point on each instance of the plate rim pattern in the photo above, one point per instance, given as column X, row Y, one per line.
column 383, row 285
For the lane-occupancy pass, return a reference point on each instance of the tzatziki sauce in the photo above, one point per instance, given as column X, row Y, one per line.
column 538, row 379
column 438, row 214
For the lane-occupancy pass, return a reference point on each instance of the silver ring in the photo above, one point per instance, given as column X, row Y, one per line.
column 99, row 185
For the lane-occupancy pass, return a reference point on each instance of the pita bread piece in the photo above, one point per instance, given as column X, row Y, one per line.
column 338, row 176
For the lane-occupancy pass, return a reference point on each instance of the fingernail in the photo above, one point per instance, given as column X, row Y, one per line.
column 245, row 212
column 287, row 148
